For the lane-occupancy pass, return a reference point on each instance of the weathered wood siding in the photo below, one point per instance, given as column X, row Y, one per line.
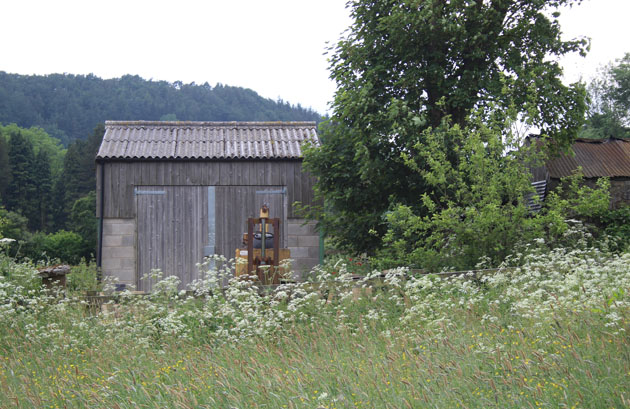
column 172, row 230
column 121, row 178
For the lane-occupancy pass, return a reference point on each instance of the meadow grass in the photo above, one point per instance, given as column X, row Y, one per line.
column 550, row 334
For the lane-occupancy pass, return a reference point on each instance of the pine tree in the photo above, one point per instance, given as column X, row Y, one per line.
column 21, row 192
column 5, row 170
column 43, row 189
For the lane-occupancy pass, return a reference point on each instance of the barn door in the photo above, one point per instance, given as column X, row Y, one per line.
column 172, row 231
column 235, row 204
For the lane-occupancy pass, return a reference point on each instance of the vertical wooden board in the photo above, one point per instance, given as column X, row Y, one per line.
column 172, row 231
column 229, row 177
column 213, row 173
column 221, row 212
column 166, row 173
column 291, row 193
column 238, row 168
column 255, row 173
column 268, row 173
column 99, row 186
column 251, row 173
column 282, row 171
column 126, row 187
column 116, row 192
column 159, row 173
column 186, row 177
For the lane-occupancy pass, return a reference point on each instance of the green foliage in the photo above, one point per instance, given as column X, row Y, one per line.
column 21, row 192
column 551, row 334
column 64, row 246
column 14, row 225
column 475, row 206
column 83, row 277
column 43, row 190
column 5, row 169
column 609, row 108
column 42, row 143
column 68, row 106
column 83, row 219
column 406, row 67
column 616, row 224
column 576, row 199
column 78, row 177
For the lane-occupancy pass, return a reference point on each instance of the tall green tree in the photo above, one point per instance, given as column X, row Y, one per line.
column 78, row 176
column 43, row 190
column 21, row 192
column 609, row 107
column 411, row 65
column 5, row 170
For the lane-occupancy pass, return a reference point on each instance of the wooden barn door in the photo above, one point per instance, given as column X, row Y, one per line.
column 172, row 231
column 235, row 204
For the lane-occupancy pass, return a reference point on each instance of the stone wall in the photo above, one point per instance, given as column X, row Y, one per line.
column 303, row 242
column 619, row 192
column 119, row 256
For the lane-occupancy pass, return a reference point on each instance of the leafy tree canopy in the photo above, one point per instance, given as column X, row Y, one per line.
column 609, row 108
column 41, row 142
column 411, row 65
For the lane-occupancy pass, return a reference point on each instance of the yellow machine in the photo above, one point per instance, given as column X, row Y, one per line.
column 263, row 256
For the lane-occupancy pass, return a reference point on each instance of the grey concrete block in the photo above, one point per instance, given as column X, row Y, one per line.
column 119, row 226
column 125, row 275
column 128, row 263
column 313, row 252
column 118, row 252
column 129, row 240
column 298, row 252
column 112, row 240
column 297, row 227
column 308, row 241
column 305, row 265
column 292, row 240
column 109, row 264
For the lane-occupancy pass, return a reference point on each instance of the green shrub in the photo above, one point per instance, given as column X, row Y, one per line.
column 83, row 277
column 64, row 246
column 616, row 224
column 475, row 207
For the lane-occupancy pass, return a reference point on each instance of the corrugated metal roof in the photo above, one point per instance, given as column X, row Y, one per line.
column 597, row 157
column 206, row 140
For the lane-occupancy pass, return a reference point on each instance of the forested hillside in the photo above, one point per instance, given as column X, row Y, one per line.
column 68, row 107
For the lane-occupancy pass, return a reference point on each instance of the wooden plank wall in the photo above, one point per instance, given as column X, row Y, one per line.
column 172, row 230
column 235, row 204
column 122, row 177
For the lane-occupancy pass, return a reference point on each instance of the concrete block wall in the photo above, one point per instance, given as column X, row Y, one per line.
column 303, row 242
column 119, row 256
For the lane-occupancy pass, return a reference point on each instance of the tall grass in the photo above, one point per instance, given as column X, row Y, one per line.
column 549, row 334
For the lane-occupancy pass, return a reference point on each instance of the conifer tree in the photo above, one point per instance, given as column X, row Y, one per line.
column 43, row 189
column 21, row 192
column 5, row 170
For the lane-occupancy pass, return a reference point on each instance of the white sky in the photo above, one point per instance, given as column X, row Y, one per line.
column 274, row 47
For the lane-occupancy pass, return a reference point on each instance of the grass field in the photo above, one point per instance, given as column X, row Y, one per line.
column 550, row 334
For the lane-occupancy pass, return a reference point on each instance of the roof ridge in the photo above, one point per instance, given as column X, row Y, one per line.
column 211, row 123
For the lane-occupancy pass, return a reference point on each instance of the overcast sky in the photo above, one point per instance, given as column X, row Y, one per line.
column 274, row 47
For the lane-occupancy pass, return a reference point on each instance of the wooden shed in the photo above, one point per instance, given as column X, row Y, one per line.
column 598, row 158
column 171, row 193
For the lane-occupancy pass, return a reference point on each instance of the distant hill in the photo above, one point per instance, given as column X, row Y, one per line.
column 68, row 106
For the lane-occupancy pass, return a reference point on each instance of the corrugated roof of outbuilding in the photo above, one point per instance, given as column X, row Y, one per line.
column 597, row 157
column 206, row 140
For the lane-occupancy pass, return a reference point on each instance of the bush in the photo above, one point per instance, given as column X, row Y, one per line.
column 616, row 224
column 476, row 205
column 83, row 277
column 64, row 246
